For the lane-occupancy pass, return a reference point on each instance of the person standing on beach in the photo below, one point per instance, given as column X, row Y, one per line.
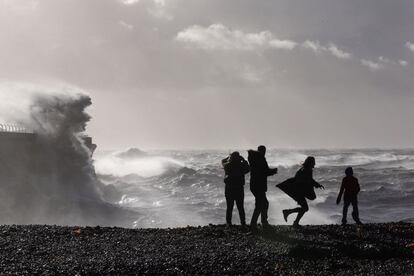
column 259, row 171
column 235, row 167
column 350, row 189
column 300, row 188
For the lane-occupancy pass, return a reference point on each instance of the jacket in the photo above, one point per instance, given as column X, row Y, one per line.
column 259, row 171
column 235, row 171
column 305, row 183
column 350, row 187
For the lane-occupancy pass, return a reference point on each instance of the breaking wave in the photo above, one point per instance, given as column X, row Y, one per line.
column 186, row 188
column 47, row 176
column 136, row 162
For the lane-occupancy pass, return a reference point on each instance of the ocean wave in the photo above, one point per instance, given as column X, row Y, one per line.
column 120, row 165
column 47, row 177
column 375, row 160
column 189, row 185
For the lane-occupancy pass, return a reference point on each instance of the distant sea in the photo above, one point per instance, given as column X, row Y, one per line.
column 180, row 188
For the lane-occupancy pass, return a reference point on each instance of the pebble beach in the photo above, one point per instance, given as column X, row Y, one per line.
column 373, row 249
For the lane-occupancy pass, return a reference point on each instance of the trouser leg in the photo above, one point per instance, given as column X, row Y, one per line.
column 265, row 208
column 345, row 210
column 302, row 210
column 256, row 211
column 229, row 211
column 355, row 211
column 294, row 210
column 240, row 207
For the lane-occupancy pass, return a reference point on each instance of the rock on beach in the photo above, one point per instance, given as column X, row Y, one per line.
column 373, row 249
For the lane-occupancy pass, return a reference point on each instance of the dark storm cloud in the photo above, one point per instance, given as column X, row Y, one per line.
column 210, row 73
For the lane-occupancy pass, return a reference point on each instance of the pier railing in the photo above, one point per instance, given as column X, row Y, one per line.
column 13, row 129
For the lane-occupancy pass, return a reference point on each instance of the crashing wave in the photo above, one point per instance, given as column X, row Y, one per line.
column 131, row 163
column 48, row 176
column 132, row 153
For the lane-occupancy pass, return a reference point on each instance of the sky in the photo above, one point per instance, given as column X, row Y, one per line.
column 214, row 74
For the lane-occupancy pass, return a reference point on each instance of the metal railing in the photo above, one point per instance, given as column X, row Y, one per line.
column 13, row 128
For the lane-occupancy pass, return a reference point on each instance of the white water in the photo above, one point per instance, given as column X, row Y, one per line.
column 178, row 188
column 51, row 178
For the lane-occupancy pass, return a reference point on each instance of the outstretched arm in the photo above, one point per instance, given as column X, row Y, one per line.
column 317, row 185
column 270, row 171
column 314, row 182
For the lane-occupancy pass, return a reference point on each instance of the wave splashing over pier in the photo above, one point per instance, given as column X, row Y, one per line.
column 47, row 176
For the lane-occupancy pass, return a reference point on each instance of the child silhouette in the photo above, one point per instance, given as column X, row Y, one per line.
column 350, row 188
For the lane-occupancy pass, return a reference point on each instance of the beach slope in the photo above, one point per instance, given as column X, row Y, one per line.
column 373, row 249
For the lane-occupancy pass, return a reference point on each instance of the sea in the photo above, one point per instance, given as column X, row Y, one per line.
column 174, row 188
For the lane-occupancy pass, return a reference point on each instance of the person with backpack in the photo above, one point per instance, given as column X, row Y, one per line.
column 350, row 189
column 235, row 168
column 300, row 188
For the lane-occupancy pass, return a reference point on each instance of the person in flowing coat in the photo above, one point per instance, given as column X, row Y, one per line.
column 300, row 188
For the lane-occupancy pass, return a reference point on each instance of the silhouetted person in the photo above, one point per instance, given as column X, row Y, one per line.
column 350, row 189
column 300, row 188
column 259, row 171
column 235, row 167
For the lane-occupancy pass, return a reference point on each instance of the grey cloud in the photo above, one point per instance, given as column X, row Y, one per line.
column 159, row 10
column 335, row 51
column 21, row 6
column 382, row 63
column 164, row 92
column 410, row 46
column 126, row 25
column 331, row 48
column 374, row 66
column 314, row 46
column 156, row 8
column 403, row 62
column 218, row 36
column 129, row 2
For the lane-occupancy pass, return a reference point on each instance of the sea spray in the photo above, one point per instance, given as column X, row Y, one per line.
column 193, row 193
column 60, row 121
column 48, row 176
column 136, row 162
